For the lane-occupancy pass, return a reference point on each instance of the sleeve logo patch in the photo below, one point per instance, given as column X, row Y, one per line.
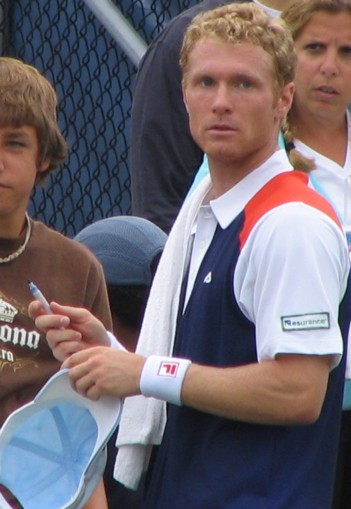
column 310, row 321
column 168, row 369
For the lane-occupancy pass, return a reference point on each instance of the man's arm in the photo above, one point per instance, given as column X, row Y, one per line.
column 287, row 390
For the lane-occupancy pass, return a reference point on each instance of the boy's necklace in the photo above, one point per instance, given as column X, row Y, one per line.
column 20, row 250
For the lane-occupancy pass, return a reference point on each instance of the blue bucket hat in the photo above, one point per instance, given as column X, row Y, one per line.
column 125, row 247
column 53, row 449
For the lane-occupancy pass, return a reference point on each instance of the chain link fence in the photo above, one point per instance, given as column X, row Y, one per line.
column 93, row 79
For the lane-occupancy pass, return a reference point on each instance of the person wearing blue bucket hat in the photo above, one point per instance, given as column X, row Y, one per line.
column 129, row 249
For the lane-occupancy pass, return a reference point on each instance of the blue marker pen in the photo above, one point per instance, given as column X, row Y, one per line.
column 39, row 296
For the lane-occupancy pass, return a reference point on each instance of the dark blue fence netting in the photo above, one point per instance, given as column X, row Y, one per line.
column 93, row 78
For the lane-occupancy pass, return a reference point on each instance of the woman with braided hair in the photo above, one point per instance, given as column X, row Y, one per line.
column 317, row 135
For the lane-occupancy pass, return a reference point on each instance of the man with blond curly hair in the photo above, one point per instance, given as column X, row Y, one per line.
column 239, row 369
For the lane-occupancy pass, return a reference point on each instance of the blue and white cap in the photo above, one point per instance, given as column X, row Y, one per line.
column 53, row 449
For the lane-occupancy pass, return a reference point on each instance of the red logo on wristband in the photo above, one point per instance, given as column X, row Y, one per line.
column 168, row 368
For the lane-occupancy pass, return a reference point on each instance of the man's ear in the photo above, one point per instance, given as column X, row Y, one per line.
column 285, row 100
column 184, row 97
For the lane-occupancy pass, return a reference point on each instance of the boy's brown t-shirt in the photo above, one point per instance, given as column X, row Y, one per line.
column 65, row 272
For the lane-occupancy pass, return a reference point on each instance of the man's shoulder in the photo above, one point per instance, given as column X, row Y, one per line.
column 286, row 188
column 56, row 241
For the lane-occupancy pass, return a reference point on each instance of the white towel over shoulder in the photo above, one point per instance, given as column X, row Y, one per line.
column 143, row 419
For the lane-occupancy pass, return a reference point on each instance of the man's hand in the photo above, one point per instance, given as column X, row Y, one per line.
column 68, row 329
column 105, row 371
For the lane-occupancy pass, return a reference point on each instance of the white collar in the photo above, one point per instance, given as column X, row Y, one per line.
column 229, row 205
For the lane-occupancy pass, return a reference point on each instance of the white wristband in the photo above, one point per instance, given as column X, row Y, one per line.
column 162, row 378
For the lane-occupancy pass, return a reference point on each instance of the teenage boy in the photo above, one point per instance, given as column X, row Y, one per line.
column 31, row 146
